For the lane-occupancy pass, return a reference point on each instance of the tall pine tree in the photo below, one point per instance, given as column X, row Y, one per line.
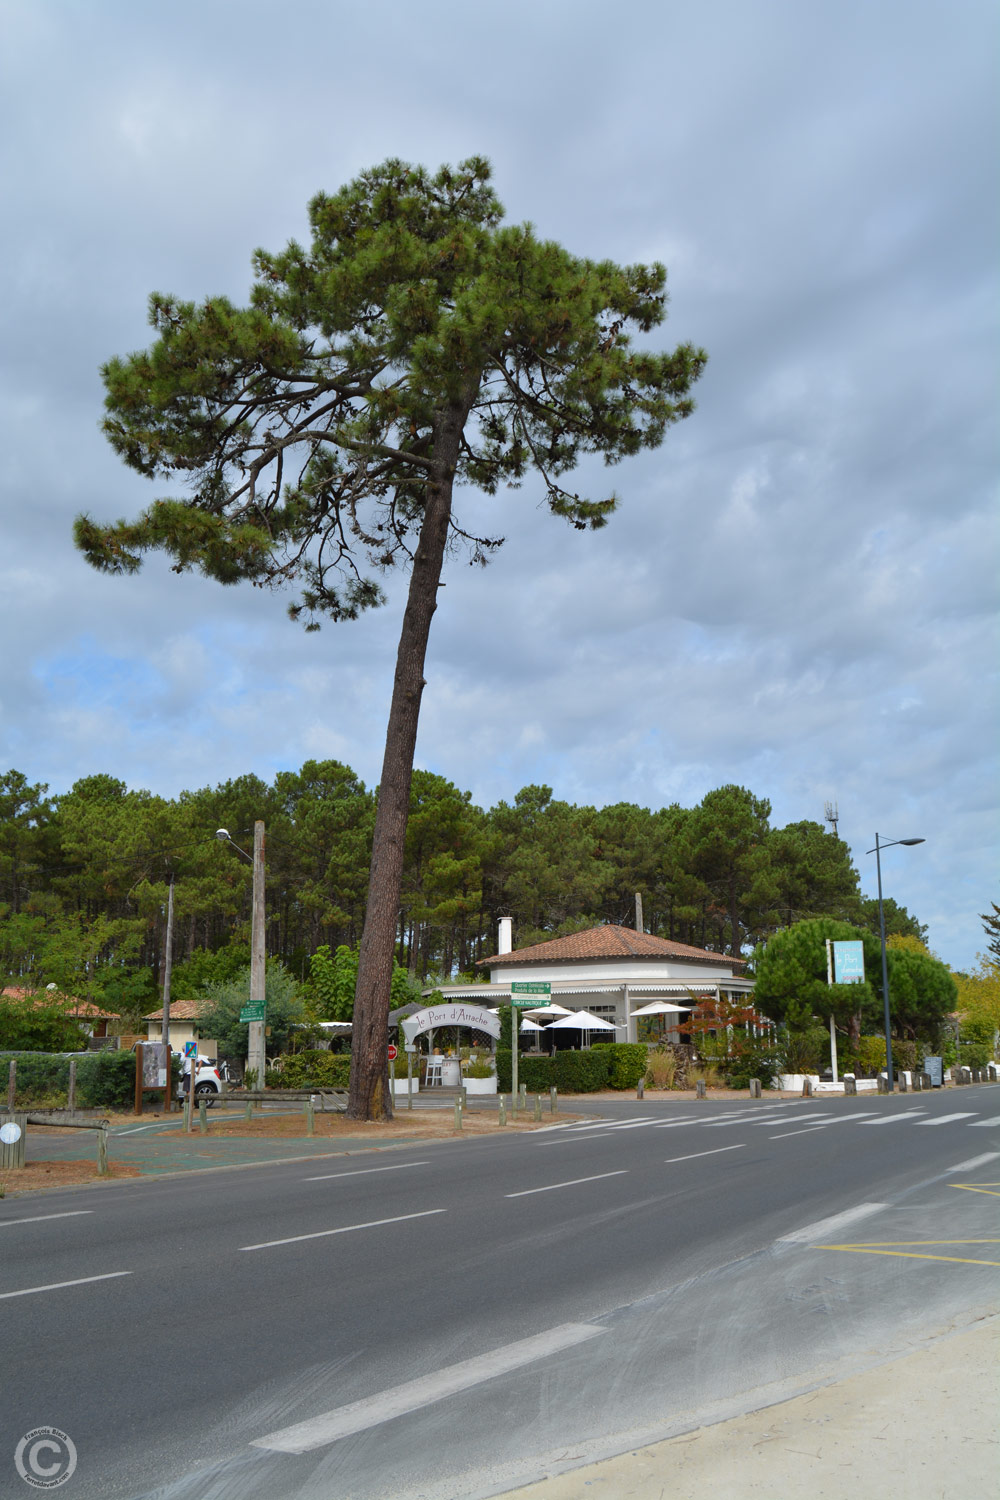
column 417, row 343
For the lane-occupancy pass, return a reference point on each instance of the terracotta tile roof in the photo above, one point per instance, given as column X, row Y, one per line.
column 180, row 1010
column 85, row 1008
column 608, row 943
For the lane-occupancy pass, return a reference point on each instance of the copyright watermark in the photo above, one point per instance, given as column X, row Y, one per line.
column 45, row 1458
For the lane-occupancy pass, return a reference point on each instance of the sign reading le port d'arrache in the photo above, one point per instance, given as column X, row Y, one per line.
column 477, row 1017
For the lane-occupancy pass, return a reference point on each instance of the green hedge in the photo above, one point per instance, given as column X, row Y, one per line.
column 628, row 1063
column 314, row 1069
column 611, row 1065
column 104, row 1080
column 534, row 1072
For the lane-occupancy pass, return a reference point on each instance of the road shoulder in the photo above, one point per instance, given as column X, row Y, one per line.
column 928, row 1420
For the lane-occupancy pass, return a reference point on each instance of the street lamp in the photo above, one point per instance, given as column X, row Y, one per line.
column 879, row 846
column 255, row 1047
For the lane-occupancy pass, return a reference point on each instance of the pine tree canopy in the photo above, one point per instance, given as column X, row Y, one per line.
column 304, row 427
column 418, row 344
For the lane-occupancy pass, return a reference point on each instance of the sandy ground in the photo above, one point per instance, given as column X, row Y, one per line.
column 925, row 1424
column 420, row 1125
column 57, row 1174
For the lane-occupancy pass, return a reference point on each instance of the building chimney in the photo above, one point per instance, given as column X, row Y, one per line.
column 638, row 911
column 506, row 942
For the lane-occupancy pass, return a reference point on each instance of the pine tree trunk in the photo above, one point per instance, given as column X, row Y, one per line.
column 369, row 1097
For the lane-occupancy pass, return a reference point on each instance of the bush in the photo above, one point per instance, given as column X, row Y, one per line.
column 582, row 1072
column 972, row 1054
column 533, row 1071
column 661, row 1069
column 315, row 1069
column 752, row 1062
column 47, row 1026
column 866, row 1057
column 803, row 1051
column 628, row 1063
column 480, row 1067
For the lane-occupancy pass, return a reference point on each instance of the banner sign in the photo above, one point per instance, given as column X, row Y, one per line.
column 476, row 1017
column 848, row 963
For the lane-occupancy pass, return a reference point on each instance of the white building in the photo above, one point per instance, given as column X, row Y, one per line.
column 612, row 972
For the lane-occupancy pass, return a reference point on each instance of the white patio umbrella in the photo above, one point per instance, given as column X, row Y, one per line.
column 661, row 1008
column 547, row 1012
column 527, row 1025
column 583, row 1021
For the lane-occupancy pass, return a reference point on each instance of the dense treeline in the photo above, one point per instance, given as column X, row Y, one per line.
column 84, row 876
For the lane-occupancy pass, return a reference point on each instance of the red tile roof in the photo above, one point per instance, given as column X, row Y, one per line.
column 180, row 1010
column 84, row 1008
column 608, row 943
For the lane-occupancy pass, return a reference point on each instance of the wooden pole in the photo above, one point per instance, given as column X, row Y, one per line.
column 11, row 1084
column 168, row 949
column 257, row 955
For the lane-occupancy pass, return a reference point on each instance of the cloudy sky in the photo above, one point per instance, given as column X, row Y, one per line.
column 799, row 591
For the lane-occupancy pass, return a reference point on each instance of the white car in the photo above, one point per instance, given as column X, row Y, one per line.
column 207, row 1081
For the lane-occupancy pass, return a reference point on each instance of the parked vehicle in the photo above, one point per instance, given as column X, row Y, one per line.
column 207, row 1082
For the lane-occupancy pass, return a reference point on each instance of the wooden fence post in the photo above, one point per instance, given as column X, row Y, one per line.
column 12, row 1152
column 102, row 1151
column 71, row 1094
column 11, row 1084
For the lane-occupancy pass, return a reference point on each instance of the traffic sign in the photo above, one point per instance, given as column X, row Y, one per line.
column 392, row 1052
column 254, row 1011
column 526, row 992
column 190, row 1049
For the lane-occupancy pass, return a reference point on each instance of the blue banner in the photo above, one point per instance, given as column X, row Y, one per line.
column 848, row 963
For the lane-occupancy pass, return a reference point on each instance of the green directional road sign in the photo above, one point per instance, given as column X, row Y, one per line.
column 526, row 993
column 254, row 1011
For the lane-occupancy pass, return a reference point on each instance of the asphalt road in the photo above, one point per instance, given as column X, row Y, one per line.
column 452, row 1319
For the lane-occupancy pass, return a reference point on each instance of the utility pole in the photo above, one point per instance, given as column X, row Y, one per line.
column 256, row 1059
column 168, row 954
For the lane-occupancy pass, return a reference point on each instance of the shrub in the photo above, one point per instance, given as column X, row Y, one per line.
column 533, row 1071
column 802, row 1051
column 661, row 1069
column 38, row 1024
column 479, row 1067
column 582, row 1072
column 315, row 1069
column 628, row 1063
column 752, row 1062
column 972, row 1054
column 867, row 1056
column 707, row 1073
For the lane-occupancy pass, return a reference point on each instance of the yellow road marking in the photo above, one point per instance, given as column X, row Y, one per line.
column 894, row 1247
column 992, row 1189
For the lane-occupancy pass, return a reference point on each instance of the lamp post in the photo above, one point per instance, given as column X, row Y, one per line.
column 879, row 846
column 255, row 1046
